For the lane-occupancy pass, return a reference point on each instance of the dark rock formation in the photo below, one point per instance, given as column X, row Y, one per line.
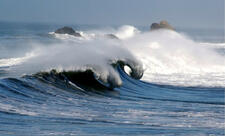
column 111, row 36
column 155, row 26
column 67, row 30
column 162, row 25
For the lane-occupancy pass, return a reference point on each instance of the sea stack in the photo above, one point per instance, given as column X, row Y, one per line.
column 111, row 36
column 162, row 25
column 67, row 30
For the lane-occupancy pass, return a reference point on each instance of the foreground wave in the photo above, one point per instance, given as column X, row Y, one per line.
column 89, row 78
column 85, row 106
column 143, row 83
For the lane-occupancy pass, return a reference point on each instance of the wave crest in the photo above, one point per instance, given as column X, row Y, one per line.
column 93, row 77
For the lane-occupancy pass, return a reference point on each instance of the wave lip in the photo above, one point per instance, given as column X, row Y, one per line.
column 136, row 68
column 94, row 77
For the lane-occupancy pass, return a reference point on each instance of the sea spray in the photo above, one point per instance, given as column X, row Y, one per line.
column 96, row 55
column 75, row 103
column 172, row 58
column 168, row 57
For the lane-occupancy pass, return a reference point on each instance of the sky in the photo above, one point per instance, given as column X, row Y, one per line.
column 181, row 13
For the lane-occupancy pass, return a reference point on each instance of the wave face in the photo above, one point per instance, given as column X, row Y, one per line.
column 141, row 83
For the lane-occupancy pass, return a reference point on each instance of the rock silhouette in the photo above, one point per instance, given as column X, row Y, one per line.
column 67, row 30
column 162, row 25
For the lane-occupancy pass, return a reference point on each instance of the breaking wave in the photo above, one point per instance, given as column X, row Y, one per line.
column 109, row 81
column 163, row 57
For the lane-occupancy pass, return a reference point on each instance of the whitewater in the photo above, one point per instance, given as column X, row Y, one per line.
column 169, row 57
column 158, row 82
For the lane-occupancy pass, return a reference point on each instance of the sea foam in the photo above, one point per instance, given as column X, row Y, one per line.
column 168, row 57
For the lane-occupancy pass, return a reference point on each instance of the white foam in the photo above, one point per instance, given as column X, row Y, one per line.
column 214, row 45
column 126, row 31
column 123, row 32
column 68, row 37
column 172, row 58
column 15, row 61
column 94, row 54
column 187, row 119
column 168, row 57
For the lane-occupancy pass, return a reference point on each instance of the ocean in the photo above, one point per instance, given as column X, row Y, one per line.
column 138, row 82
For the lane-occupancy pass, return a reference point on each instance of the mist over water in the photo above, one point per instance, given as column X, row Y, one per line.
column 96, row 90
column 173, row 58
column 168, row 57
column 95, row 54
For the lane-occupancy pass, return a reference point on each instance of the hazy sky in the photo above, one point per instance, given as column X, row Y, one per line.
column 181, row 13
